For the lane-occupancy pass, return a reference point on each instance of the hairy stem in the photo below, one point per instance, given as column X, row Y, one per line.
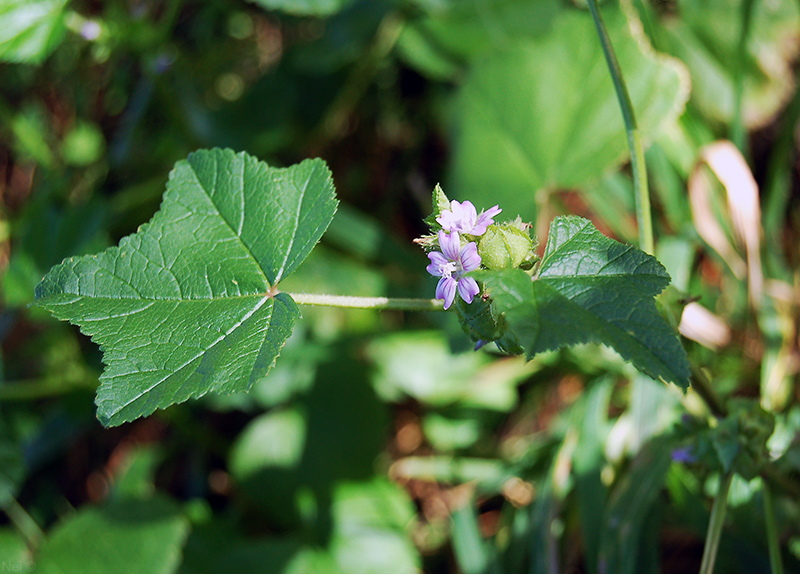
column 383, row 303
column 641, row 193
column 715, row 524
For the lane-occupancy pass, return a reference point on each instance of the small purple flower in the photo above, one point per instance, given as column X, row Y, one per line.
column 684, row 454
column 451, row 265
column 463, row 218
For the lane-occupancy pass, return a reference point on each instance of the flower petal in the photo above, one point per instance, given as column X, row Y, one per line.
column 468, row 288
column 470, row 260
column 450, row 244
column 437, row 262
column 485, row 219
column 446, row 290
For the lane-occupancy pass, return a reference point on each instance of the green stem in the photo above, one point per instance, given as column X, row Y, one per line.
column 383, row 303
column 26, row 525
column 638, row 168
column 715, row 525
column 775, row 560
column 738, row 132
column 358, row 81
column 702, row 386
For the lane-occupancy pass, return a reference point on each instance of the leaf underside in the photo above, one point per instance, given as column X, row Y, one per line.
column 591, row 289
column 187, row 305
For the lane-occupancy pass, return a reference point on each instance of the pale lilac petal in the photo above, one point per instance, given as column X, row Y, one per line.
column 470, row 260
column 447, row 220
column 446, row 290
column 460, row 217
column 469, row 215
column 450, row 244
column 485, row 220
column 437, row 262
column 467, row 288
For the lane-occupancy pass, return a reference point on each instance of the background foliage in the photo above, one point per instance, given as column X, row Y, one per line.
column 380, row 442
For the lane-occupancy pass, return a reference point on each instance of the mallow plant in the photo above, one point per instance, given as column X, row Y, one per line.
column 192, row 303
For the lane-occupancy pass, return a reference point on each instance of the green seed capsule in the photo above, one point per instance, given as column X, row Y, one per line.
column 504, row 247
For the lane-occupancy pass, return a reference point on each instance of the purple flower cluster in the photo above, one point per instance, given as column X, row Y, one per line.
column 454, row 261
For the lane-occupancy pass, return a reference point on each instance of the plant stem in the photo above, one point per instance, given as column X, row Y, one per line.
column 358, row 81
column 775, row 560
column 638, row 168
column 702, row 387
column 26, row 525
column 715, row 525
column 738, row 131
column 383, row 303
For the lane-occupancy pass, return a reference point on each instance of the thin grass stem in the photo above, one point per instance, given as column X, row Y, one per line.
column 715, row 525
column 644, row 217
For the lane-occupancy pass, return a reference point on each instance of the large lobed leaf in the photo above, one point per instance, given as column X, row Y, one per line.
column 543, row 113
column 590, row 289
column 188, row 304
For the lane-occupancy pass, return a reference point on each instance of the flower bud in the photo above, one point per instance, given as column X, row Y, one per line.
column 505, row 247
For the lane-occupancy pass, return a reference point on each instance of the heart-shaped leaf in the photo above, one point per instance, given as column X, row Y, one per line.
column 543, row 114
column 590, row 289
column 189, row 304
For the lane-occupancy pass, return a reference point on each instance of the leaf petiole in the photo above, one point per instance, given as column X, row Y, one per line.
column 386, row 303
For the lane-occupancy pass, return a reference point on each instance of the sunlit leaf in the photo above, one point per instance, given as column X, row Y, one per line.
column 590, row 289
column 188, row 304
column 30, row 29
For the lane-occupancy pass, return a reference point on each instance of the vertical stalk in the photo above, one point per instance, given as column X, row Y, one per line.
column 715, row 524
column 25, row 524
column 738, row 132
column 641, row 194
column 775, row 560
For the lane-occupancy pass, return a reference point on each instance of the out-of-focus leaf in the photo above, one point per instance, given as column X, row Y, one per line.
column 136, row 479
column 370, row 522
column 304, row 7
column 45, row 234
column 32, row 134
column 590, row 288
column 629, row 507
column 588, row 461
column 14, row 551
column 489, row 474
column 132, row 536
column 187, row 305
column 333, row 433
column 421, row 365
column 473, row 553
column 83, row 145
column 447, row 433
column 700, row 34
column 30, row 29
column 466, row 31
column 543, row 114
